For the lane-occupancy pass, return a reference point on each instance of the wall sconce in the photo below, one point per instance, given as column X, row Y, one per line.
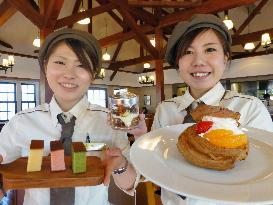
column 86, row 20
column 146, row 80
column 101, row 75
column 7, row 63
column 265, row 40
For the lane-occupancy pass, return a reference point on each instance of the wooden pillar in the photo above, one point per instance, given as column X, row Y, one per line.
column 45, row 91
column 90, row 26
column 159, row 68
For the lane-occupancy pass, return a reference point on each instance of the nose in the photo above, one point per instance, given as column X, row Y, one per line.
column 198, row 60
column 69, row 72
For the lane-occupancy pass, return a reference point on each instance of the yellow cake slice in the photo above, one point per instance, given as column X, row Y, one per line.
column 35, row 156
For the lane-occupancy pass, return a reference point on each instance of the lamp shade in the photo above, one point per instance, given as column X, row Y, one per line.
column 36, row 42
column 249, row 46
column 265, row 39
column 228, row 22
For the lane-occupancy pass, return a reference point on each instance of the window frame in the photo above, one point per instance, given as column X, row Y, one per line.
column 35, row 94
column 99, row 88
column 7, row 102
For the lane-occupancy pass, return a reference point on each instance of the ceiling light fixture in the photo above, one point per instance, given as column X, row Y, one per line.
column 146, row 65
column 101, row 74
column 227, row 21
column 86, row 20
column 265, row 40
column 106, row 56
column 145, row 79
column 249, row 46
column 152, row 41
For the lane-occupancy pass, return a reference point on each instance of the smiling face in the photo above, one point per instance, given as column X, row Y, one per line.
column 66, row 76
column 202, row 64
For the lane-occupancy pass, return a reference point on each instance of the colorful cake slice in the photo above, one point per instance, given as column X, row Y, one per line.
column 35, row 156
column 78, row 157
column 57, row 156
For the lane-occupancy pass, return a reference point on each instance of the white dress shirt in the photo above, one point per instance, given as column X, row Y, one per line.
column 41, row 123
column 172, row 112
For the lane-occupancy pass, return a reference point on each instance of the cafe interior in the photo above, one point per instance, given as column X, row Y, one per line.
column 133, row 35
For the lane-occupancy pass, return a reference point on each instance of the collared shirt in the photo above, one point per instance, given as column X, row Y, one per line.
column 172, row 112
column 41, row 123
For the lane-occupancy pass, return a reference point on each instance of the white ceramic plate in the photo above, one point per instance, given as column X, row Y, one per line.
column 156, row 157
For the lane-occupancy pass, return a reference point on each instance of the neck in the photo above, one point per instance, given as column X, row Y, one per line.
column 197, row 93
column 66, row 105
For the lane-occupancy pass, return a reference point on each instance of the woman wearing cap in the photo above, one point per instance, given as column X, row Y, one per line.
column 70, row 60
column 200, row 50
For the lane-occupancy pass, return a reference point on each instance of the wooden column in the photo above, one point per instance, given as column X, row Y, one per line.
column 159, row 68
column 90, row 26
column 45, row 91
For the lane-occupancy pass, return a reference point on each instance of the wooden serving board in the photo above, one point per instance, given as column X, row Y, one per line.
column 15, row 175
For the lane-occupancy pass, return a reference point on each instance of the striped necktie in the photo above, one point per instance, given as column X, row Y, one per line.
column 64, row 196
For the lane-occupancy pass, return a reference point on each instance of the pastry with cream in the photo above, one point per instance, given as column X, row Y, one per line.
column 215, row 141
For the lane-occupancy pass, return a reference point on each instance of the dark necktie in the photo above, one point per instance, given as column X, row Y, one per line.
column 188, row 117
column 64, row 196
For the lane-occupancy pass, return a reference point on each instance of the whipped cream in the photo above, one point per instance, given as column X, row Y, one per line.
column 223, row 123
column 128, row 119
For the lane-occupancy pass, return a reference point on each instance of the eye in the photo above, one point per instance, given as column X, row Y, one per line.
column 188, row 52
column 59, row 62
column 209, row 50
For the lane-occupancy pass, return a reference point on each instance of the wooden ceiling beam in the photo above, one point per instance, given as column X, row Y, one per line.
column 144, row 16
column 18, row 54
column 52, row 12
column 28, row 11
column 250, row 37
column 251, row 17
column 140, row 36
column 6, row 11
column 134, row 61
column 209, row 6
column 81, row 15
column 250, row 54
column 75, row 10
column 7, row 45
column 165, row 4
column 114, row 59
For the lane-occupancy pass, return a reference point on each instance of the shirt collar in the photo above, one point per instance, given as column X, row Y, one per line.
column 212, row 97
column 77, row 110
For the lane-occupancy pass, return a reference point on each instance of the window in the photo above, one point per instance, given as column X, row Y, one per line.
column 97, row 96
column 28, row 96
column 7, row 100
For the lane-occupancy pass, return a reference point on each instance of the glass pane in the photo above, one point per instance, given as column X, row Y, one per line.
column 11, row 114
column 3, row 116
column 3, row 97
column 24, row 97
column 11, row 107
column 24, row 88
column 102, row 103
column 10, row 88
column 96, row 94
column 31, row 105
column 3, row 106
column 24, row 106
column 10, row 96
column 30, row 89
column 30, row 97
column 102, row 94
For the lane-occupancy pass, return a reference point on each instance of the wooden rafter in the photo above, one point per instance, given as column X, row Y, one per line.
column 250, row 37
column 209, row 6
column 251, row 16
column 114, row 59
column 140, row 36
column 28, row 11
column 81, row 15
column 75, row 10
column 52, row 13
column 165, row 4
column 250, row 54
column 18, row 54
column 120, row 64
column 6, row 11
column 7, row 45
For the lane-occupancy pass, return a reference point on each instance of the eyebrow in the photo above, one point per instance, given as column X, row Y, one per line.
column 57, row 56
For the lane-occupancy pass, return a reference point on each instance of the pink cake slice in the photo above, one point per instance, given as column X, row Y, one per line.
column 57, row 156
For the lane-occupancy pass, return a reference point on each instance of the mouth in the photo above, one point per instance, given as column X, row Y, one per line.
column 68, row 85
column 201, row 74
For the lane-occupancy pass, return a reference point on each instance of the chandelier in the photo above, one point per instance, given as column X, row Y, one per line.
column 101, row 74
column 145, row 79
column 7, row 64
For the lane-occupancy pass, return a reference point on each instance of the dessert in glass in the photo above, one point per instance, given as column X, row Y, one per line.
column 124, row 110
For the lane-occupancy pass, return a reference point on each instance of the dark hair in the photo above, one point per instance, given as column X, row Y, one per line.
column 187, row 40
column 84, row 53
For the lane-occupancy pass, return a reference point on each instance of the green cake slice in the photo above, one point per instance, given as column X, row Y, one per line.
column 78, row 157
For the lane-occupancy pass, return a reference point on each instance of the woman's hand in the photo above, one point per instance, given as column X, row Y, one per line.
column 113, row 160
column 140, row 129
